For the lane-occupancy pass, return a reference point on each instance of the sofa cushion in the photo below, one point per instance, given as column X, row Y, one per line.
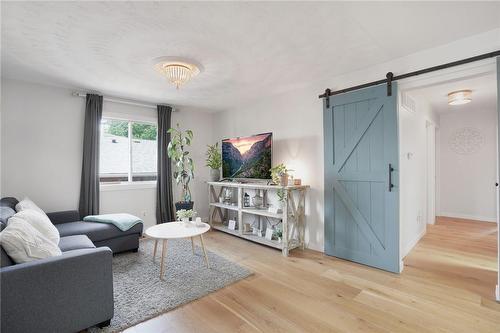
column 40, row 222
column 10, row 202
column 23, row 243
column 5, row 214
column 27, row 203
column 5, row 260
column 76, row 242
column 95, row 231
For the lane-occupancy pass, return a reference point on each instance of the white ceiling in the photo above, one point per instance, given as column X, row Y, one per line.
column 484, row 94
column 248, row 50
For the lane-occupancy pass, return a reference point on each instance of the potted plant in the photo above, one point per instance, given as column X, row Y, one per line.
column 214, row 161
column 183, row 163
column 279, row 174
column 278, row 234
column 281, row 197
column 185, row 215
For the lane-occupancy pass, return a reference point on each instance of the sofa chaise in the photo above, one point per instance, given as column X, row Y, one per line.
column 66, row 293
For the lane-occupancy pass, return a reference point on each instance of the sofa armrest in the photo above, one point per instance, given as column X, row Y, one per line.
column 67, row 293
column 64, row 216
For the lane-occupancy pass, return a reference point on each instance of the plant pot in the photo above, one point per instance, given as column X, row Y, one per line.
column 214, row 175
column 187, row 205
column 284, row 180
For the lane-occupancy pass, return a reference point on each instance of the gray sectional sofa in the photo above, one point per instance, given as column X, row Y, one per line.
column 67, row 293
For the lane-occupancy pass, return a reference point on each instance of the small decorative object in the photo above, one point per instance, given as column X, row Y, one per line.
column 221, row 199
column 184, row 165
column 231, row 225
column 269, row 233
column 274, row 210
column 297, row 181
column 257, row 200
column 279, row 174
column 290, row 180
column 214, row 161
column 281, row 193
column 228, row 196
column 247, row 227
column 198, row 222
column 246, row 200
column 184, row 215
column 278, row 234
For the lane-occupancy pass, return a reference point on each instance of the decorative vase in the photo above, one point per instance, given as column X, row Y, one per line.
column 257, row 200
column 284, row 180
column 214, row 175
column 186, row 221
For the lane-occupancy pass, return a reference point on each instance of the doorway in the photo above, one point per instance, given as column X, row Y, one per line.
column 449, row 167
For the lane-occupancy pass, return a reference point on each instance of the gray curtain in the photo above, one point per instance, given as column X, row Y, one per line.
column 89, row 188
column 164, row 198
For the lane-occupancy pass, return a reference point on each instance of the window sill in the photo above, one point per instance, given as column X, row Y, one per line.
column 126, row 186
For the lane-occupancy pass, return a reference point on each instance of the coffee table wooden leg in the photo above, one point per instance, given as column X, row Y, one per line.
column 154, row 251
column 163, row 255
column 204, row 251
column 192, row 244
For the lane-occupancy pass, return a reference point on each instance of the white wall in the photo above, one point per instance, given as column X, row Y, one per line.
column 467, row 181
column 296, row 120
column 42, row 135
column 413, row 172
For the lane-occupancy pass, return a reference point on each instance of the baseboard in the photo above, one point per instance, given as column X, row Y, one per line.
column 414, row 242
column 469, row 217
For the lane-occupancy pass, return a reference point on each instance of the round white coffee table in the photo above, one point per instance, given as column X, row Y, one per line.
column 172, row 230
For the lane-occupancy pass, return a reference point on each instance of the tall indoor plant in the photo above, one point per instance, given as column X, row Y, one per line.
column 183, row 164
column 214, row 161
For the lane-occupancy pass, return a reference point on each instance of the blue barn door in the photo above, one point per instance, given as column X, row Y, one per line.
column 361, row 170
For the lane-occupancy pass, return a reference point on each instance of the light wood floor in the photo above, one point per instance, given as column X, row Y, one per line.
column 447, row 286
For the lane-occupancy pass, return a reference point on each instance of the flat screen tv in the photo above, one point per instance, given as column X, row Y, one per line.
column 247, row 157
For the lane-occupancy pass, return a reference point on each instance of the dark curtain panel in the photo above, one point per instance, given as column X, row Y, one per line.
column 89, row 188
column 164, row 198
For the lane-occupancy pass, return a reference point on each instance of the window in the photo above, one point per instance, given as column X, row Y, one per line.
column 128, row 151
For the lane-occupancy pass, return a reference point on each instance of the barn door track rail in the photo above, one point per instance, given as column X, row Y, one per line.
column 390, row 76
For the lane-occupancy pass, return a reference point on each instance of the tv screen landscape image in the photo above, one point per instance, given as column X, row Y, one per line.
column 247, row 157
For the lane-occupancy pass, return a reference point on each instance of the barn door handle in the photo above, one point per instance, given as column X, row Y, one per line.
column 391, row 169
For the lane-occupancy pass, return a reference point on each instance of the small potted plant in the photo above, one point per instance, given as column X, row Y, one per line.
column 185, row 215
column 279, row 174
column 214, row 161
column 281, row 197
column 183, row 163
column 278, row 234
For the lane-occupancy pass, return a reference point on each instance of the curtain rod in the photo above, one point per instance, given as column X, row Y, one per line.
column 390, row 78
column 121, row 101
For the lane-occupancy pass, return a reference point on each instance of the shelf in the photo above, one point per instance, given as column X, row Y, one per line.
column 262, row 212
column 250, row 237
column 258, row 186
column 222, row 205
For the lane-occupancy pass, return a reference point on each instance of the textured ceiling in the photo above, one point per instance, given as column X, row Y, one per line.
column 248, row 50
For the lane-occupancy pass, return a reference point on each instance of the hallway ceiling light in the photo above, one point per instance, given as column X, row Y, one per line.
column 178, row 71
column 459, row 97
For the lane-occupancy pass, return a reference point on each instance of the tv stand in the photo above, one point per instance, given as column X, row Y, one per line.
column 292, row 218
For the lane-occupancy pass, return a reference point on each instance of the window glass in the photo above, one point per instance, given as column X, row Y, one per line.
column 114, row 151
column 144, row 152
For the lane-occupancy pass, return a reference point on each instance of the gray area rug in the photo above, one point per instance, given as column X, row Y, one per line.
column 140, row 294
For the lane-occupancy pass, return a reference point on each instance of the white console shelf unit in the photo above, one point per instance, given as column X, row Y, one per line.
column 292, row 218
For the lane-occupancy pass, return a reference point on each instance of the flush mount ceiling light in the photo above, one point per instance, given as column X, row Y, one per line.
column 459, row 97
column 178, row 71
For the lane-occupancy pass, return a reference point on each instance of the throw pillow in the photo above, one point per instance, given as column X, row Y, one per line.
column 26, row 203
column 40, row 222
column 23, row 243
